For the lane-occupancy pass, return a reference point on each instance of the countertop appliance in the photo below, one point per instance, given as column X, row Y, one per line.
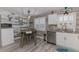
column 51, row 37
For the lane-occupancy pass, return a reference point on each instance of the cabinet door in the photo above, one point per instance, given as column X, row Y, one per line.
column 68, row 38
column 77, row 42
column 60, row 21
column 52, row 19
column 60, row 39
column 7, row 36
column 71, row 23
column 72, row 41
column 66, row 18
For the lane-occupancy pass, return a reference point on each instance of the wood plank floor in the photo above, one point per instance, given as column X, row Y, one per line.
column 41, row 46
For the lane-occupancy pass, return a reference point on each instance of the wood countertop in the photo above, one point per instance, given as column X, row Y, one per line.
column 76, row 32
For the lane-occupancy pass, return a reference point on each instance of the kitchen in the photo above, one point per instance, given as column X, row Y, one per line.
column 54, row 28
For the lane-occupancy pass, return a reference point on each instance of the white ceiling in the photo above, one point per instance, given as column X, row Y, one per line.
column 35, row 11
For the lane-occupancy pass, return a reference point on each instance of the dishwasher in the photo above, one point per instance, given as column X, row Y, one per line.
column 51, row 37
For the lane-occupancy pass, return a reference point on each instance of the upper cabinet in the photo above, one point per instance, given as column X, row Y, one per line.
column 71, row 23
column 68, row 21
column 52, row 19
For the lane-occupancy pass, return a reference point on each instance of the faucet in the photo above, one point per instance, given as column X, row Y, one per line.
column 64, row 27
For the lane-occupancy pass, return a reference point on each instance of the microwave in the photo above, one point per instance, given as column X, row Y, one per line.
column 5, row 25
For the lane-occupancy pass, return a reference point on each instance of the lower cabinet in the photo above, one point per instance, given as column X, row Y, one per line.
column 68, row 40
column 60, row 39
column 7, row 36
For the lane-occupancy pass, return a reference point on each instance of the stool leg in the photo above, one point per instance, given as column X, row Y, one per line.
column 34, row 38
column 25, row 39
column 44, row 37
column 22, row 41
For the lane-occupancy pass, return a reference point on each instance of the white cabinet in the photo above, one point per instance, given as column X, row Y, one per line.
column 68, row 40
column 7, row 36
column 68, row 20
column 60, row 39
column 60, row 21
column 52, row 19
column 71, row 23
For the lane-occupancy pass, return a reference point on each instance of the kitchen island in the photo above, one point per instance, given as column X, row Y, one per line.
column 68, row 40
column 7, row 36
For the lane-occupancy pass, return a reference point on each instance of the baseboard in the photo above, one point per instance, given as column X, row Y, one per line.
column 51, row 43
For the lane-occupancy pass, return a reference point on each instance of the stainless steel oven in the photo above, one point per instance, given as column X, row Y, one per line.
column 51, row 37
column 6, row 25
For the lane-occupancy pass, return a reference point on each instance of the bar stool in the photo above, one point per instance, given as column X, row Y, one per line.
column 22, row 39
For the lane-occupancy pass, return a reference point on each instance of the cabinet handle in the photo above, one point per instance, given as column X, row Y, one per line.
column 64, row 38
column 78, row 37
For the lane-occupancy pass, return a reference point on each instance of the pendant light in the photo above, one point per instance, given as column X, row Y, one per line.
column 66, row 11
column 28, row 14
